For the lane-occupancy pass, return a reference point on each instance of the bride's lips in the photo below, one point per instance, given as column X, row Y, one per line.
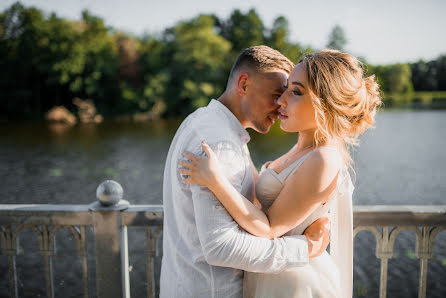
column 282, row 115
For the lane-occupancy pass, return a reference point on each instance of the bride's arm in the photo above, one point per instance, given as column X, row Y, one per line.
column 312, row 184
column 207, row 172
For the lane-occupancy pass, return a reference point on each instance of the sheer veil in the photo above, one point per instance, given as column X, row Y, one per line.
column 341, row 238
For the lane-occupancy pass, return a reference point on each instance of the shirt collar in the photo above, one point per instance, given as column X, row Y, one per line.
column 235, row 123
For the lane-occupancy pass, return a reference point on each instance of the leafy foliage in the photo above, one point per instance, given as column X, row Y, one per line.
column 429, row 76
column 394, row 78
column 47, row 61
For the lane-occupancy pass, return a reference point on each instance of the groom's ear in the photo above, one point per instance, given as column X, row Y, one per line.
column 242, row 83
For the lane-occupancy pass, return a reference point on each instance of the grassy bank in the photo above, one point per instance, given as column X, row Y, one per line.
column 419, row 99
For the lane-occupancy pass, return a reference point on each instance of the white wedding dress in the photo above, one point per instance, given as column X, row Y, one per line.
column 329, row 275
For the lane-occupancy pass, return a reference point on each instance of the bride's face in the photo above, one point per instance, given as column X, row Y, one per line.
column 296, row 110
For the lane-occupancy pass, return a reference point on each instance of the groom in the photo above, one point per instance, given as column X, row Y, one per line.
column 204, row 250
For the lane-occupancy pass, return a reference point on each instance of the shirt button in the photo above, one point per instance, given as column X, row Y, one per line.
column 217, row 207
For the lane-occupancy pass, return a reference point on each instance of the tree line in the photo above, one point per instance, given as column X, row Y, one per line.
column 47, row 60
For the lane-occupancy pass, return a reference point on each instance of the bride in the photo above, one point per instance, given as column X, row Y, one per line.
column 329, row 103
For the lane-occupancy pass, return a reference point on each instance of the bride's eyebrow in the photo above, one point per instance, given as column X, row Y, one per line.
column 298, row 83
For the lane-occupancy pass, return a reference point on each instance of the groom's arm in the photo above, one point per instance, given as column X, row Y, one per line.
column 255, row 173
column 224, row 243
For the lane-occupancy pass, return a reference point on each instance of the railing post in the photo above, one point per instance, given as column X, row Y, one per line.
column 8, row 250
column 151, row 239
column 111, row 247
column 384, row 252
column 48, row 256
column 424, row 253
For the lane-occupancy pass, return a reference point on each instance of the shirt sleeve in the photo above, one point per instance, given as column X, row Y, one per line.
column 224, row 242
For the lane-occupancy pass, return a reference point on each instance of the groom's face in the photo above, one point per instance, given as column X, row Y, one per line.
column 260, row 103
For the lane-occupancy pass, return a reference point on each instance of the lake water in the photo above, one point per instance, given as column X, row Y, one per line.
column 400, row 162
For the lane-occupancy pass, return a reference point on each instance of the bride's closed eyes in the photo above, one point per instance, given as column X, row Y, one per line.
column 295, row 91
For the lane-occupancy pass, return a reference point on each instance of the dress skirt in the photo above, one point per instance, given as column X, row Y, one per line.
column 318, row 279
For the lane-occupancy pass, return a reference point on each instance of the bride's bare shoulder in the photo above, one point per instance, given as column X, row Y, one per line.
column 318, row 171
column 325, row 159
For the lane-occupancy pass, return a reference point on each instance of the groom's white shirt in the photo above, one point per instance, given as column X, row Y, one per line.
column 204, row 250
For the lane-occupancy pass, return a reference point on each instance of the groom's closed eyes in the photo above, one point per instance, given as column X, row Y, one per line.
column 278, row 92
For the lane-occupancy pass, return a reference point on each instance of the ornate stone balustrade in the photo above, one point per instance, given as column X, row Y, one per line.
column 386, row 222
column 111, row 216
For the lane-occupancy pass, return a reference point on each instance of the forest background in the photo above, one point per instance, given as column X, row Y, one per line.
column 46, row 61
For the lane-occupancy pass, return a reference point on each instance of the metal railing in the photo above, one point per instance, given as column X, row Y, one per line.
column 111, row 216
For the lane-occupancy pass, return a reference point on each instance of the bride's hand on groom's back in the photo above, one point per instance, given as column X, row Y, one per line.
column 204, row 171
column 318, row 237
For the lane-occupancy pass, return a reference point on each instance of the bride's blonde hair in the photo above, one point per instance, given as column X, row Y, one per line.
column 345, row 101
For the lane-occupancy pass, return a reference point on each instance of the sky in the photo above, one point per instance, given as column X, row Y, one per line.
column 382, row 31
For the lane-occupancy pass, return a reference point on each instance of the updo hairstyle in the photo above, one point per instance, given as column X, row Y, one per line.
column 345, row 101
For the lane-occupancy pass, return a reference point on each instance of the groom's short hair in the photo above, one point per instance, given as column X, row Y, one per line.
column 261, row 59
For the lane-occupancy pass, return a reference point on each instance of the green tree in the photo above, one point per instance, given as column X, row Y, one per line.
column 99, row 76
column 42, row 56
column 429, row 76
column 337, row 39
column 394, row 78
column 243, row 30
column 441, row 72
column 20, row 82
column 424, row 76
column 279, row 39
column 156, row 77
column 197, row 58
column 399, row 78
column 52, row 60
column 80, row 59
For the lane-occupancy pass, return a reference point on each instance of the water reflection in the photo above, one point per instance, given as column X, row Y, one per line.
column 402, row 161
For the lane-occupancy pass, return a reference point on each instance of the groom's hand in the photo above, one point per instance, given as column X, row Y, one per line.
column 318, row 237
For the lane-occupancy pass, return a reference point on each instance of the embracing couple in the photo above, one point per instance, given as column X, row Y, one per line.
column 230, row 231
